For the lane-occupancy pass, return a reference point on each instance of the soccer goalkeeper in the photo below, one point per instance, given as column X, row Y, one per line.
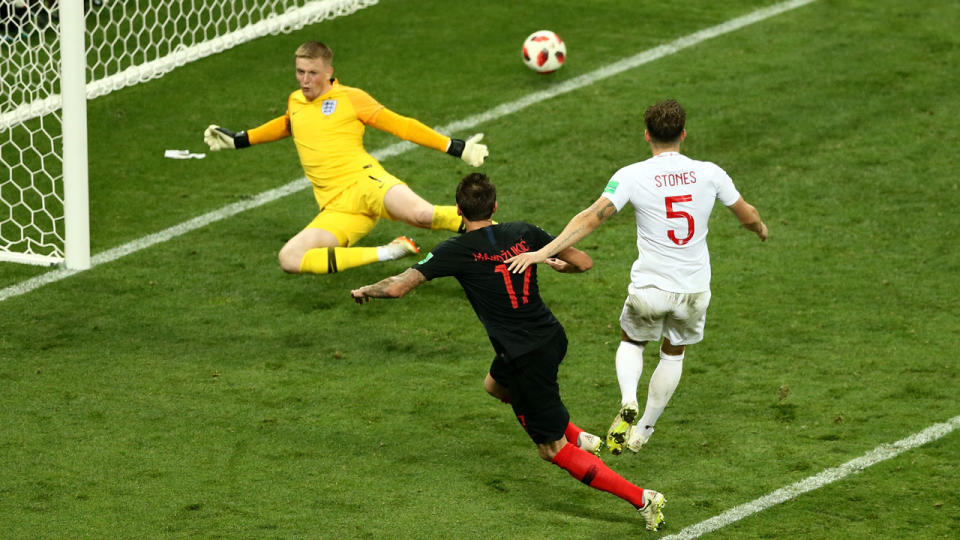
column 326, row 120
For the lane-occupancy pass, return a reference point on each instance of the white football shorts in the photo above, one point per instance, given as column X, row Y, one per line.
column 649, row 313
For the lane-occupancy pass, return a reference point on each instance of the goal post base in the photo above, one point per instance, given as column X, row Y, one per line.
column 29, row 258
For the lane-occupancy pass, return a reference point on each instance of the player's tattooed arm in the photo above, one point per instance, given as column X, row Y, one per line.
column 580, row 226
column 602, row 209
column 583, row 224
column 391, row 287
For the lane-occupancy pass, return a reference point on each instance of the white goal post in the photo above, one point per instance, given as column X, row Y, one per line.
column 57, row 54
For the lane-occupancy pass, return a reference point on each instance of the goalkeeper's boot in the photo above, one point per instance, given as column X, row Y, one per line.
column 637, row 436
column 617, row 434
column 589, row 442
column 652, row 510
column 400, row 246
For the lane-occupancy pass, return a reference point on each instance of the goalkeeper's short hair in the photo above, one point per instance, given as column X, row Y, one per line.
column 315, row 49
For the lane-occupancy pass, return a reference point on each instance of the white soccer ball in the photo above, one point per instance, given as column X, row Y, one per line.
column 544, row 51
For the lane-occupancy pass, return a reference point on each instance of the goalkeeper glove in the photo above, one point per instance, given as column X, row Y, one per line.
column 470, row 150
column 218, row 138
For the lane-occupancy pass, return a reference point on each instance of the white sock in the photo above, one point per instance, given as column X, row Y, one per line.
column 400, row 246
column 629, row 368
column 389, row 252
column 662, row 384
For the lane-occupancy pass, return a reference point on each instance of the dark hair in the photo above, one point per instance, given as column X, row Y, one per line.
column 476, row 197
column 665, row 121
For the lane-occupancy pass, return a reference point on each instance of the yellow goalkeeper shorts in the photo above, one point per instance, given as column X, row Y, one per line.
column 353, row 213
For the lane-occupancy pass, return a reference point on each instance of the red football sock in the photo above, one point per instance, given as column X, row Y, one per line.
column 588, row 469
column 572, row 433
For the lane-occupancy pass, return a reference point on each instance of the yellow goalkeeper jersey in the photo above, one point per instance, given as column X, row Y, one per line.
column 328, row 134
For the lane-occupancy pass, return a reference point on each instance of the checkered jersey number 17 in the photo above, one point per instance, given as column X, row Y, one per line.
column 508, row 283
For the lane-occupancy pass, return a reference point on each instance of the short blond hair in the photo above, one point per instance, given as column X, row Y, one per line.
column 315, row 49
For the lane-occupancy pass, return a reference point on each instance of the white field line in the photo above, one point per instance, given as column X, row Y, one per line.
column 878, row 454
column 399, row 148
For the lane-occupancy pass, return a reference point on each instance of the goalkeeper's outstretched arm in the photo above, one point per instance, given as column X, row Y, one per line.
column 410, row 129
column 218, row 138
column 470, row 150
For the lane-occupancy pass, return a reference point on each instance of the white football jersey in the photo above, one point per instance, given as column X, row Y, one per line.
column 672, row 197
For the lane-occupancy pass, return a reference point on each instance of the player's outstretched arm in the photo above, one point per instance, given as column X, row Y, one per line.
column 415, row 131
column 470, row 151
column 391, row 287
column 580, row 226
column 218, row 138
column 749, row 217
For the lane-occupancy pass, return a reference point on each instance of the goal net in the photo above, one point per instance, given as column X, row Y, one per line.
column 118, row 43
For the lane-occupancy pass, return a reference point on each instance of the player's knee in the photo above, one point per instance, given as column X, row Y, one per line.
column 490, row 385
column 671, row 349
column 628, row 339
column 423, row 217
column 289, row 261
column 549, row 451
column 496, row 390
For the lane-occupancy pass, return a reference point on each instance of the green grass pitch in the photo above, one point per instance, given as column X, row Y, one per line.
column 194, row 390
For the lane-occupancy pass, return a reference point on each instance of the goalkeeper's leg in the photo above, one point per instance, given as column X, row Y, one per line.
column 317, row 249
column 335, row 259
column 401, row 204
